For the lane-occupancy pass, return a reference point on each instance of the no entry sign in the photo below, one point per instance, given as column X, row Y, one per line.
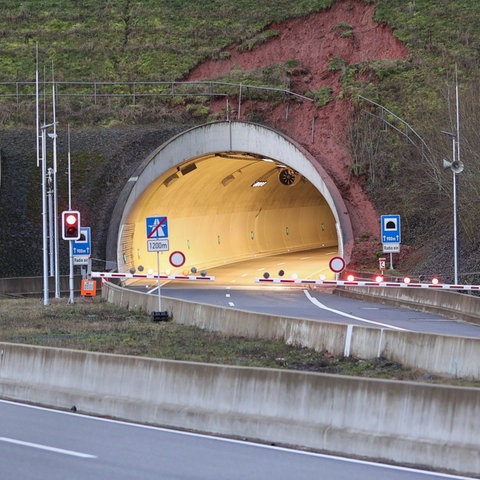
column 177, row 258
column 337, row 264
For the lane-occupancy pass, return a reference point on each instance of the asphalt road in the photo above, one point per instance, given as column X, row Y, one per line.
column 37, row 443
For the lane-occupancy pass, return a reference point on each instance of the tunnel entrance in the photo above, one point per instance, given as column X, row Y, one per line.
column 231, row 191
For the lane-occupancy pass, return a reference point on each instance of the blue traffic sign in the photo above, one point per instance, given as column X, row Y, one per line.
column 391, row 231
column 157, row 227
column 82, row 245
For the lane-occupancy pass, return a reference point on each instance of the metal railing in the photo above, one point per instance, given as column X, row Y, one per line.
column 397, row 123
column 99, row 89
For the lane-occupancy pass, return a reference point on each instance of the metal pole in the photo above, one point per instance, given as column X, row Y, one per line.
column 455, row 240
column 71, row 286
column 158, row 271
column 51, row 235
column 239, row 102
column 456, row 153
column 69, row 174
column 46, row 299
column 37, row 106
column 71, row 298
column 55, row 197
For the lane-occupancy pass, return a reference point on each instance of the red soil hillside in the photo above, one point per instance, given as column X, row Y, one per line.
column 313, row 41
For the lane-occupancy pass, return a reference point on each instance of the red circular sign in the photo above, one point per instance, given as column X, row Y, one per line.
column 177, row 258
column 337, row 264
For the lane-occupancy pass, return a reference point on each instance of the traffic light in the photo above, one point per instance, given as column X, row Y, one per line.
column 71, row 225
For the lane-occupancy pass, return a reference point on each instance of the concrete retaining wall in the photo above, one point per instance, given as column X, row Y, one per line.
column 442, row 355
column 19, row 286
column 443, row 302
column 400, row 422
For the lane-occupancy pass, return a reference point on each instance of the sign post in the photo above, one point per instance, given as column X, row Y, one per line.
column 157, row 241
column 391, row 235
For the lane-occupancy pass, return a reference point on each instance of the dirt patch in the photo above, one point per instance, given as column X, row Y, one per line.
column 347, row 31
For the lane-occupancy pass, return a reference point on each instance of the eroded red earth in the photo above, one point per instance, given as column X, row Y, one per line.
column 312, row 41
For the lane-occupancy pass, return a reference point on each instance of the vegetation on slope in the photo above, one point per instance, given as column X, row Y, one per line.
column 131, row 40
column 142, row 41
column 442, row 37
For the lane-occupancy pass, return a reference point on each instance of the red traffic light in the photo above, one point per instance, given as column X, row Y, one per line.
column 71, row 225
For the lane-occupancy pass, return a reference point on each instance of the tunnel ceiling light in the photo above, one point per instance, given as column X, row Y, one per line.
column 259, row 183
column 188, row 168
column 169, row 180
column 227, row 180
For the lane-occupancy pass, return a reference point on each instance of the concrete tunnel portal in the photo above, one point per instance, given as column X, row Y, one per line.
column 231, row 191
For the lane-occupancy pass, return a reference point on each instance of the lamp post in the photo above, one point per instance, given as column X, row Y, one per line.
column 456, row 166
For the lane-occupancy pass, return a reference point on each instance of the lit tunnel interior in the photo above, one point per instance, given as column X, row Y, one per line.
column 231, row 192
column 225, row 207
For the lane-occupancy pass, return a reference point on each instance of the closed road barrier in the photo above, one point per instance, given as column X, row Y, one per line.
column 368, row 283
column 151, row 276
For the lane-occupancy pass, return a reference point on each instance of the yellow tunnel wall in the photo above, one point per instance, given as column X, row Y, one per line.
column 209, row 241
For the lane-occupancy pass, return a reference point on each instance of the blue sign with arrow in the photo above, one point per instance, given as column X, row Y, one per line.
column 391, row 231
column 82, row 246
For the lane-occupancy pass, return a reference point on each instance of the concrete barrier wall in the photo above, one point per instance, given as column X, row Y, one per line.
column 441, row 355
column 34, row 285
column 443, row 302
column 400, row 422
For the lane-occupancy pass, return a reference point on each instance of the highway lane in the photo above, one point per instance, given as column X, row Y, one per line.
column 37, row 443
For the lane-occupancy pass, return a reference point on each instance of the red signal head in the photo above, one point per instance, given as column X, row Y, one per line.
column 71, row 225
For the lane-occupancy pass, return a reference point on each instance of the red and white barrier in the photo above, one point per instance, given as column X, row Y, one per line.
column 151, row 276
column 362, row 283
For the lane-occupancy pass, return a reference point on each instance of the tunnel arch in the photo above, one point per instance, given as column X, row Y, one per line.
column 206, row 176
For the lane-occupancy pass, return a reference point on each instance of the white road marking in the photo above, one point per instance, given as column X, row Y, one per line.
column 231, row 304
column 155, row 289
column 348, row 315
column 46, row 447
